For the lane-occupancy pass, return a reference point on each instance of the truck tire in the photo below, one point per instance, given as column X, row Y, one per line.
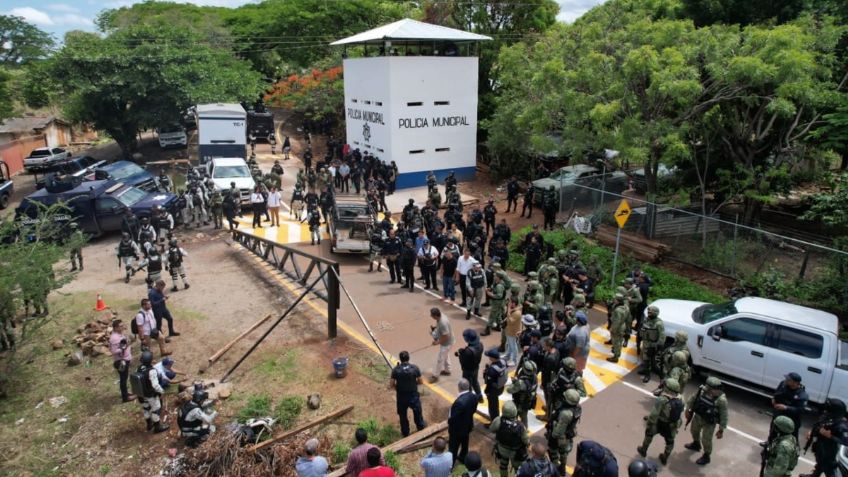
column 4, row 201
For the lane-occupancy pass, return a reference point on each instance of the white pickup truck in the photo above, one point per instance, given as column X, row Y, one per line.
column 44, row 157
column 756, row 341
column 225, row 170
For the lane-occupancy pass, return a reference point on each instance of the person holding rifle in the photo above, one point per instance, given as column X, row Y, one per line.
column 704, row 410
column 780, row 456
column 828, row 433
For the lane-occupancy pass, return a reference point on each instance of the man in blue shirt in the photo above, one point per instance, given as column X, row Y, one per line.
column 157, row 298
column 439, row 462
column 311, row 464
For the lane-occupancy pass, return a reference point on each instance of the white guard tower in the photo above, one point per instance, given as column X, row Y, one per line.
column 412, row 98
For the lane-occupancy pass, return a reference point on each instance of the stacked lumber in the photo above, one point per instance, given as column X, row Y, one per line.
column 93, row 337
column 640, row 248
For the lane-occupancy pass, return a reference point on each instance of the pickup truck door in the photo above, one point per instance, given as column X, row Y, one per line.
column 736, row 347
column 805, row 352
column 839, row 381
column 109, row 212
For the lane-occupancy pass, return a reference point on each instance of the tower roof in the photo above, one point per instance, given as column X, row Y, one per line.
column 411, row 30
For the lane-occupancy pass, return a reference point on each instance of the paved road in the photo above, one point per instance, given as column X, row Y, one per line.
column 618, row 399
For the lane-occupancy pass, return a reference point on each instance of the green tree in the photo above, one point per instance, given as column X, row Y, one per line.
column 22, row 42
column 6, row 101
column 742, row 12
column 28, row 274
column 140, row 77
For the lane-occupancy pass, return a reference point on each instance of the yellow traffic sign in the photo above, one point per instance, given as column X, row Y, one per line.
column 622, row 213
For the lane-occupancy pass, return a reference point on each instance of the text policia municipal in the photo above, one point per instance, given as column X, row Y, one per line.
column 408, row 123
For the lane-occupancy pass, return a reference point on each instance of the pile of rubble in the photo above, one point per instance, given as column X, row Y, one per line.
column 92, row 338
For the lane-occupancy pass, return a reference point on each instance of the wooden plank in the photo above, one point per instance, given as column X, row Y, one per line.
column 403, row 443
column 235, row 340
column 299, row 429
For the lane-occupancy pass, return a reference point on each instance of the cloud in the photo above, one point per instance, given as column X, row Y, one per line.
column 62, row 7
column 570, row 10
column 72, row 19
column 32, row 15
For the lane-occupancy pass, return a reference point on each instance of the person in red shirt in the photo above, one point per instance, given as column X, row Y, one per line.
column 374, row 468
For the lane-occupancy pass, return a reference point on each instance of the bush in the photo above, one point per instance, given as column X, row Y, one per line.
column 392, row 460
column 257, row 406
column 287, row 410
column 379, row 435
column 340, row 452
column 665, row 284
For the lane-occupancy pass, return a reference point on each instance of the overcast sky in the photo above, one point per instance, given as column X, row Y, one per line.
column 57, row 17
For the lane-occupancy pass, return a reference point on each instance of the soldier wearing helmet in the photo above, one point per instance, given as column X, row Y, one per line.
column 566, row 378
column 562, row 427
column 781, row 452
column 550, row 203
column 664, row 419
column 680, row 343
column 76, row 239
column 826, row 437
column 128, row 252
column 523, row 389
column 653, row 337
column 176, row 254
column 195, row 423
column 706, row 409
column 145, row 385
column 642, row 468
column 511, row 439
column 618, row 323
column 679, row 371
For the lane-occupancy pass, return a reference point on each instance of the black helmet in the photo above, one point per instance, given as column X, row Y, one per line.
column 835, row 407
column 642, row 468
column 146, row 358
column 153, row 251
column 145, row 220
column 199, row 396
column 125, row 236
column 173, row 243
column 411, row 201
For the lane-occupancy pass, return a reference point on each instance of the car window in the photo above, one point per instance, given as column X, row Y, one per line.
column 744, row 329
column 125, row 171
column 843, row 355
column 130, row 196
column 799, row 342
column 39, row 153
column 231, row 171
column 105, row 204
column 709, row 313
column 57, row 150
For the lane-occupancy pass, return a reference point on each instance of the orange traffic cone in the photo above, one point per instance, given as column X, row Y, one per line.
column 100, row 305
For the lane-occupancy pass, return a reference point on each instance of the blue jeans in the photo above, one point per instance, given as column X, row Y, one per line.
column 511, row 349
column 448, row 288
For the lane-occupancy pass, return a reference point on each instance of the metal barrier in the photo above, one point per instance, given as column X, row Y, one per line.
column 285, row 259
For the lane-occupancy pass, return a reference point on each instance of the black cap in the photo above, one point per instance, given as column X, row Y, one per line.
column 794, row 377
column 473, row 461
column 493, row 353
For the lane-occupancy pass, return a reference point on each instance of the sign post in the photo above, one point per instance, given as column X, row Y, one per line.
column 622, row 213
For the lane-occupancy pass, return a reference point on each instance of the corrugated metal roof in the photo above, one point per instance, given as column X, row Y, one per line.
column 408, row 29
column 221, row 109
column 27, row 124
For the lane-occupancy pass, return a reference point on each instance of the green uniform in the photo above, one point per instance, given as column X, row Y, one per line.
column 707, row 411
column 661, row 421
column 653, row 336
column 565, row 380
column 216, row 207
column 781, row 456
column 681, row 373
column 669, row 352
column 511, row 439
column 523, row 390
column 561, row 431
column 620, row 317
column 496, row 300
column 634, row 298
column 436, row 198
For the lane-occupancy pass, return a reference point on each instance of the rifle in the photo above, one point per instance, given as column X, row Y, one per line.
column 764, row 458
column 691, row 414
column 814, row 433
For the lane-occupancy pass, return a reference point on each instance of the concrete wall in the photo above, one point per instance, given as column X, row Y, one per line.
column 419, row 111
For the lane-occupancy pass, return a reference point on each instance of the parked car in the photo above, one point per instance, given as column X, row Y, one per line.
column 41, row 158
column 127, row 172
column 7, row 187
column 569, row 179
column 350, row 224
column 756, row 341
column 224, row 170
column 172, row 136
column 98, row 206
column 75, row 166
column 640, row 184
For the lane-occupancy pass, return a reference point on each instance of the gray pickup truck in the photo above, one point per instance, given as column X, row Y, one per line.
column 350, row 224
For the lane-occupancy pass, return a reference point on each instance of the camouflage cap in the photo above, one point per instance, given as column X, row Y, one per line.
column 572, row 397
column 714, row 382
column 672, row 385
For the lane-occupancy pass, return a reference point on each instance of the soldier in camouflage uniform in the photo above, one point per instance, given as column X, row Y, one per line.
column 523, row 389
column 680, row 344
column 594, row 271
column 511, row 439
column 618, row 323
column 435, row 198
column 653, row 336
column 782, row 451
column 705, row 409
column 552, row 283
column 567, row 378
column 679, row 371
column 533, row 298
column 633, row 298
column 496, row 295
column 664, row 420
column 216, row 207
column 562, row 427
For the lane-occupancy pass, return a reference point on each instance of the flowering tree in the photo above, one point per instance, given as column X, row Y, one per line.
column 317, row 95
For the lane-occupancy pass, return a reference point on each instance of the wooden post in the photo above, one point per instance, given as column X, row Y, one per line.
column 235, row 340
column 299, row 429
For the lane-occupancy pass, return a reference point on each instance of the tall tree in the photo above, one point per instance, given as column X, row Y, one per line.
column 141, row 77
column 22, row 42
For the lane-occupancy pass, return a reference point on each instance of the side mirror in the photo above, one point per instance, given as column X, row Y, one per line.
column 117, row 210
column 715, row 333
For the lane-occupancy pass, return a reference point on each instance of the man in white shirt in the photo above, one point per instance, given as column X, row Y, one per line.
column 146, row 323
column 273, row 202
column 428, row 258
column 257, row 201
column 463, row 266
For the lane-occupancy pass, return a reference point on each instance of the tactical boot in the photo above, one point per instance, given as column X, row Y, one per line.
column 379, row 267
column 693, row 446
column 608, row 342
column 371, row 267
column 174, row 288
column 646, row 378
column 127, row 278
column 477, row 311
column 159, row 427
column 642, row 451
column 149, row 424
column 486, row 332
column 704, row 460
column 487, row 304
column 468, row 314
column 612, row 359
column 187, row 286
column 664, row 458
column 73, row 267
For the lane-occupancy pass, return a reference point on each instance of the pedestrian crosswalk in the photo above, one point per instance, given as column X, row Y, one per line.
column 290, row 230
column 598, row 375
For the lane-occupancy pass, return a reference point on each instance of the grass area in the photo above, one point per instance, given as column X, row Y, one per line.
column 281, row 368
column 371, row 365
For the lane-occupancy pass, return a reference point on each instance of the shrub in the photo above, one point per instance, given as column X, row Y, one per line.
column 287, row 410
column 392, row 460
column 340, row 452
column 379, row 435
column 257, row 406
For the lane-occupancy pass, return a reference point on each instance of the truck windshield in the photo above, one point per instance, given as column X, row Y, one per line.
column 39, row 153
column 227, row 172
column 170, row 129
column 709, row 313
column 125, row 171
column 348, row 212
column 130, row 196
